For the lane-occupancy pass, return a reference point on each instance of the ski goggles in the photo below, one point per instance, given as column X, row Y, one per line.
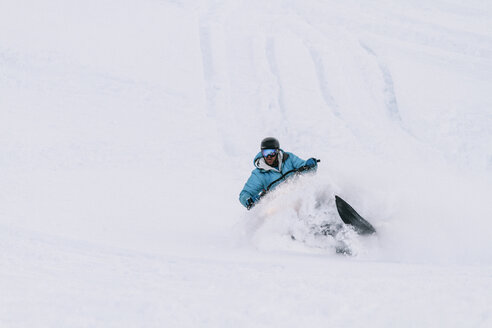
column 269, row 152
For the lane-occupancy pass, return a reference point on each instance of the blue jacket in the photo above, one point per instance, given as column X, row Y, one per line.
column 263, row 175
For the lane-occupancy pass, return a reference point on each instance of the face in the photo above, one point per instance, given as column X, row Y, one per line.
column 271, row 158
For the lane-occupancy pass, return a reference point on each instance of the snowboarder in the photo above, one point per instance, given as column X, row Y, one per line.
column 272, row 164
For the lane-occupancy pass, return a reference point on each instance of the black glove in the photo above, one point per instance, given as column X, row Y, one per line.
column 249, row 203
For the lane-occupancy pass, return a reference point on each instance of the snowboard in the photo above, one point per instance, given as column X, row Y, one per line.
column 351, row 217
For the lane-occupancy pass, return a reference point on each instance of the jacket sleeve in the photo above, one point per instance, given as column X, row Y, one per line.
column 252, row 188
column 296, row 161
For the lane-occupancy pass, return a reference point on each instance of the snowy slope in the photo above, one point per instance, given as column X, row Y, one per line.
column 127, row 130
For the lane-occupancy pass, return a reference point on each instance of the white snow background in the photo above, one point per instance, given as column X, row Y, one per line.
column 128, row 128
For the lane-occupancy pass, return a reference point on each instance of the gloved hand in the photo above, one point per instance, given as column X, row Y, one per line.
column 312, row 162
column 249, row 203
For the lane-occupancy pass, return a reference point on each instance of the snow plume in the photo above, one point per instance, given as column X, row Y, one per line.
column 298, row 216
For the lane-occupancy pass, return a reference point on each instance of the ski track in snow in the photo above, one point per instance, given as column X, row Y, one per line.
column 207, row 68
column 320, row 72
column 272, row 64
column 389, row 92
column 128, row 129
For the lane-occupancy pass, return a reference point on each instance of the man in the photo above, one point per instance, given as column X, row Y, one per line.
column 272, row 164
